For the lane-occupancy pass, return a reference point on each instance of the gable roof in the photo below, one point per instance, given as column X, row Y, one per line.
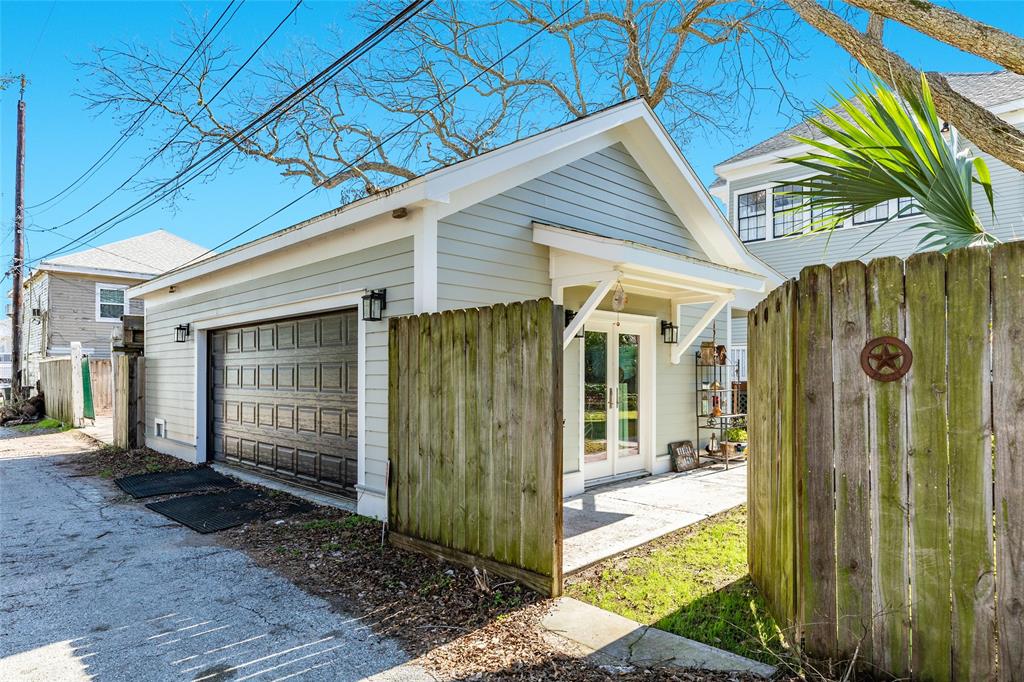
column 989, row 89
column 451, row 188
column 143, row 256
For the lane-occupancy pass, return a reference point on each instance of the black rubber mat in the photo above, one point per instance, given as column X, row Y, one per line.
column 168, row 482
column 218, row 511
column 211, row 512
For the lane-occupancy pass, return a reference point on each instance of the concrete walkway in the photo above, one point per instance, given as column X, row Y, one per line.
column 95, row 588
column 620, row 641
column 610, row 519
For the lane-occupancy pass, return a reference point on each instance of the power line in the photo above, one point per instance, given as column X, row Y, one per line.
column 152, row 157
column 264, row 119
column 139, row 119
column 398, row 132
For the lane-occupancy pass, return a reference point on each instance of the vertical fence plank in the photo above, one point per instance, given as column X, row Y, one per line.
column 816, row 515
column 485, row 428
column 853, row 502
column 754, row 456
column 421, row 468
column 471, row 431
column 514, row 445
column 970, row 465
column 500, row 453
column 788, row 426
column 889, row 540
column 929, row 467
column 1008, row 399
column 552, row 321
column 409, row 466
column 530, row 511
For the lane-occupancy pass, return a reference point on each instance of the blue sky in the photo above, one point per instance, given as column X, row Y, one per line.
column 44, row 39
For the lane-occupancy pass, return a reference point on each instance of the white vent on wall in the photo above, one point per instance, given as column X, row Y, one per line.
column 159, row 428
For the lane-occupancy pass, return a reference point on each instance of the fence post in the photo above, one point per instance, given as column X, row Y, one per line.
column 77, row 396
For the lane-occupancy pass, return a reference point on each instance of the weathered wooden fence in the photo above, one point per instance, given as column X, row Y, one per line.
column 886, row 518
column 475, row 438
column 55, row 380
column 129, row 371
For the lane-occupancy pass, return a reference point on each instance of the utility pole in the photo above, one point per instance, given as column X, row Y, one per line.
column 18, row 262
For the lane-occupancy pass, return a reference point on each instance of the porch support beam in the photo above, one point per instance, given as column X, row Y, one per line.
column 702, row 324
column 594, row 300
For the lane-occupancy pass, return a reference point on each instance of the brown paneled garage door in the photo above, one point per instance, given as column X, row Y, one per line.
column 283, row 397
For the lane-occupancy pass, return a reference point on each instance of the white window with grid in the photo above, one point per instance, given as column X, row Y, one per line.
column 752, row 215
column 786, row 220
column 111, row 303
column 874, row 214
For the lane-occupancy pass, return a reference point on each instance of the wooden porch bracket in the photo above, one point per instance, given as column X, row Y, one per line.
column 596, row 296
column 717, row 304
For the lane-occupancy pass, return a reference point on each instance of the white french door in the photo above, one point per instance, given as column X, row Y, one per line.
column 614, row 438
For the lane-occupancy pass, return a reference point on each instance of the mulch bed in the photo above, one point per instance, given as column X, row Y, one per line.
column 110, row 462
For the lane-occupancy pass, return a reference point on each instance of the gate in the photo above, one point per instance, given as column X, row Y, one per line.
column 887, row 462
column 475, row 438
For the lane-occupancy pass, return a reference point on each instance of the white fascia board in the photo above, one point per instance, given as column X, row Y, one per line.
column 92, row 272
column 620, row 254
column 493, row 169
column 370, row 233
column 721, row 192
column 372, row 207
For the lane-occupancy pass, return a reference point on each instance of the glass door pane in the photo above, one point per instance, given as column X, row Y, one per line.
column 628, row 396
column 595, row 397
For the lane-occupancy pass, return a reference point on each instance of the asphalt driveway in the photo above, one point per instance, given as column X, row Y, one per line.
column 95, row 587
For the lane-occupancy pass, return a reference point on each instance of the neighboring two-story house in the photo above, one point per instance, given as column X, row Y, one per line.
column 749, row 183
column 81, row 296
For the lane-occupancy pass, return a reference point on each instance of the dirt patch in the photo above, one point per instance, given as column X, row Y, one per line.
column 461, row 624
column 458, row 624
column 111, row 462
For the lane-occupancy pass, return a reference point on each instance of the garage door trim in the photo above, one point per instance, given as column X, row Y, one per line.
column 302, row 307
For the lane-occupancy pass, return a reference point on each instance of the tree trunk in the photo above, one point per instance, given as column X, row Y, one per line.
column 987, row 131
column 952, row 28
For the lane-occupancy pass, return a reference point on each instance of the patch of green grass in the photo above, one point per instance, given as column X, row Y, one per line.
column 46, row 424
column 693, row 583
column 348, row 523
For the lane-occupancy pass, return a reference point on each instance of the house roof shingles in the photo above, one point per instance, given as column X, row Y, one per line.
column 152, row 253
column 986, row 89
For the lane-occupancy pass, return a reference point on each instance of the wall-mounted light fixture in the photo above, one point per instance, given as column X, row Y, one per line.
column 375, row 302
column 569, row 316
column 669, row 332
column 182, row 332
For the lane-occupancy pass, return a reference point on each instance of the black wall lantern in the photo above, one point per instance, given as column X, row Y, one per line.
column 375, row 302
column 182, row 332
column 669, row 332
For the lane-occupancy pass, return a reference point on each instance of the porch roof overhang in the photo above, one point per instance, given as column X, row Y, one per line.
column 583, row 259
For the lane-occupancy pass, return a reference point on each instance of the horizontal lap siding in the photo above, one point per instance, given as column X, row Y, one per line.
column 72, row 314
column 789, row 255
column 486, row 253
column 33, row 331
column 170, row 366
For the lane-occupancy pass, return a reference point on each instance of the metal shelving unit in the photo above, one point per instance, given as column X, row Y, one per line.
column 714, row 387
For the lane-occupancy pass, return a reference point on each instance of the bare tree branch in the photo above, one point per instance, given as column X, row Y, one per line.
column 986, row 130
column 700, row 63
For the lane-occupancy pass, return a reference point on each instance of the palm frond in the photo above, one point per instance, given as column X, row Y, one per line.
column 879, row 147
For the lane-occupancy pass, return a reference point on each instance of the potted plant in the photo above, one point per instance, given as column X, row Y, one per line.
column 735, row 441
